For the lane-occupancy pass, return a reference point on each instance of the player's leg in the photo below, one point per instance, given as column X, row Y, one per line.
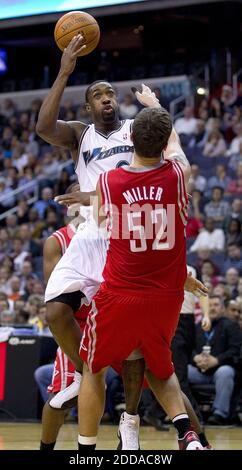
column 133, row 377
column 91, row 402
column 196, row 425
column 52, row 420
column 160, row 370
column 62, row 377
column 182, row 346
column 64, row 327
column 168, row 394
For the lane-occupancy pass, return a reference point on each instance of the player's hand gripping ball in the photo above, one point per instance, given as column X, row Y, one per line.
column 77, row 22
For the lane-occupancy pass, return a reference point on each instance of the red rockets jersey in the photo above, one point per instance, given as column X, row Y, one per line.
column 64, row 236
column 147, row 214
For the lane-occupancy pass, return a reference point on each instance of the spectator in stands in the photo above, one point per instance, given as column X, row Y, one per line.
column 197, row 181
column 234, row 259
column 215, row 109
column 50, row 165
column 12, row 177
column 208, row 271
column 217, row 209
column 235, row 144
column 215, row 145
column 220, row 180
column 7, row 200
column 218, row 367
column 63, row 182
column 22, row 211
column 233, row 310
column 30, row 145
column 40, row 321
column 236, row 159
column 227, row 98
column 232, row 279
column 213, row 124
column 221, row 290
column 5, row 241
column 27, row 178
column 235, row 186
column 196, row 204
column 18, row 254
column 209, row 238
column 187, row 124
column 45, row 201
column 7, row 318
column 26, row 271
column 8, row 108
column 127, row 108
column 234, row 234
column 29, row 245
column 15, row 293
column 200, row 136
column 194, row 223
column 239, row 297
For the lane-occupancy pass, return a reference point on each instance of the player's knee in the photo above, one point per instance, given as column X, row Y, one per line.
column 57, row 312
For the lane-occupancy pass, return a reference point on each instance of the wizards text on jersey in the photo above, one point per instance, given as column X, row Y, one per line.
column 97, row 153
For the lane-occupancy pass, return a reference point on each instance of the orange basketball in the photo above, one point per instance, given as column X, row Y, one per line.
column 77, row 22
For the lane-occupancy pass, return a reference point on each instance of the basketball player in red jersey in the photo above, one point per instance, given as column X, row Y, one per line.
column 138, row 304
column 64, row 371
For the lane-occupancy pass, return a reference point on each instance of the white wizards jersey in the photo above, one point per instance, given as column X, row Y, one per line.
column 99, row 153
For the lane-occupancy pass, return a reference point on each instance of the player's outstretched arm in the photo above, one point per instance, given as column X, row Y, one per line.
column 174, row 151
column 61, row 133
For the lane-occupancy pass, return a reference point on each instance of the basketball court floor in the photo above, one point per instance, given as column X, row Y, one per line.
column 26, row 436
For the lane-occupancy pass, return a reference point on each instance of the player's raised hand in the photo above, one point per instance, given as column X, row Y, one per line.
column 146, row 97
column 195, row 287
column 70, row 54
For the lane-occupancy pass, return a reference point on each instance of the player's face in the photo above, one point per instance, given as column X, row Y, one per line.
column 103, row 103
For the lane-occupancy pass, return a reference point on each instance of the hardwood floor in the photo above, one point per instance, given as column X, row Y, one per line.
column 26, row 436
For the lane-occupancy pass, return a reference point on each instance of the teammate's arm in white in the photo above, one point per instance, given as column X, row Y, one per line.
column 174, row 151
column 52, row 130
column 206, row 322
column 51, row 255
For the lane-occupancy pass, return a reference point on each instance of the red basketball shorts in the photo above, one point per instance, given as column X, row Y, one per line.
column 118, row 324
column 63, row 374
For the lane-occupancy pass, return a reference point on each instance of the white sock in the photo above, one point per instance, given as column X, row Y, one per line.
column 87, row 441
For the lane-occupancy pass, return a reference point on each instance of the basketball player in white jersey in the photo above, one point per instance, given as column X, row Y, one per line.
column 104, row 145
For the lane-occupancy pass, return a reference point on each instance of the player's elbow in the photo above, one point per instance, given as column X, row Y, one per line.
column 40, row 128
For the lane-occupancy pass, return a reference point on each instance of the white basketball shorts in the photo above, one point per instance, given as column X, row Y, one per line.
column 81, row 266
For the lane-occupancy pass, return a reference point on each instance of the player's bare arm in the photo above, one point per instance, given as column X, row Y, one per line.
column 206, row 322
column 174, row 151
column 194, row 286
column 77, row 197
column 52, row 130
column 51, row 255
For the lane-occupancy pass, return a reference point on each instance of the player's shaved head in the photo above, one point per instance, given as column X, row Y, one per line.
column 90, row 89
